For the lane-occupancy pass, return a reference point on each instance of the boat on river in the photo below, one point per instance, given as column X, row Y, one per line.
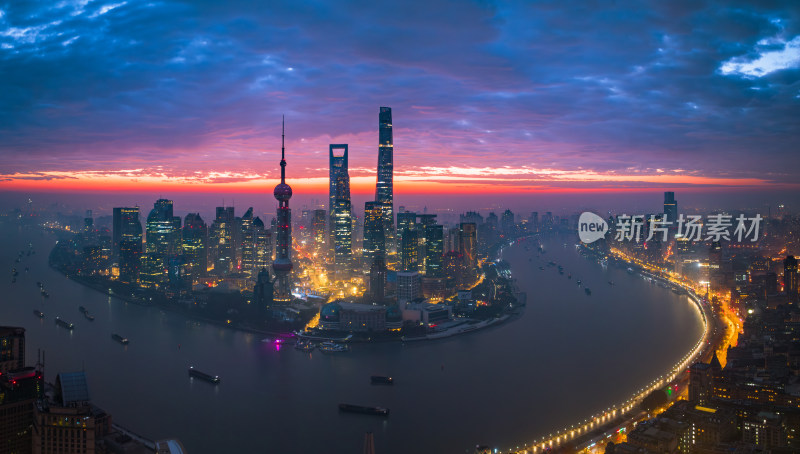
column 203, row 376
column 376, row 411
column 63, row 323
column 332, row 347
column 381, row 380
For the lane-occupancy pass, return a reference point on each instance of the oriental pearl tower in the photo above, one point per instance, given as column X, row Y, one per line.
column 282, row 266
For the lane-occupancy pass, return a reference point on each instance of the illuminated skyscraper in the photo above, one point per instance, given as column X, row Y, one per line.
column 423, row 221
column 318, row 230
column 262, row 247
column 248, row 243
column 162, row 243
column 434, row 250
column 222, row 248
column 384, row 186
column 341, row 224
column 406, row 221
column 195, row 243
column 374, row 241
column 282, row 266
column 410, row 248
column 127, row 234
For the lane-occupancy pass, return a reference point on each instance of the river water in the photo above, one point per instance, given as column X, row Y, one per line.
column 569, row 356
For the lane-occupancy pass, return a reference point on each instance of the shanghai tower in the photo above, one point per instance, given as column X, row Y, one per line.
column 282, row 266
column 384, row 190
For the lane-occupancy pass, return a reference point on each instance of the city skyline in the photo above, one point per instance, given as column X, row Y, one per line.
column 524, row 100
column 629, row 169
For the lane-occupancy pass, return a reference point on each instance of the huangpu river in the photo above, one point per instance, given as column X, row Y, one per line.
column 566, row 358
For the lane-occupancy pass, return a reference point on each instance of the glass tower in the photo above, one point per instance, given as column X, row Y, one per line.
column 374, row 241
column 195, row 242
column 384, row 187
column 341, row 224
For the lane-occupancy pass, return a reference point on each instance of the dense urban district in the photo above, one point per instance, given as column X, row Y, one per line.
column 400, row 275
column 329, row 274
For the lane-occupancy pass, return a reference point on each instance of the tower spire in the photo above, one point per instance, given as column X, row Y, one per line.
column 283, row 149
column 283, row 249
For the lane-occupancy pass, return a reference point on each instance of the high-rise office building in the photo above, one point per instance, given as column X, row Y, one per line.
column 125, row 224
column 12, row 348
column 127, row 242
column 434, row 250
column 409, row 286
column 262, row 245
column 384, row 186
column 222, row 247
column 248, row 243
column 318, row 230
column 377, row 279
column 374, row 230
column 305, row 226
column 507, row 223
column 468, row 238
column 162, row 243
column 20, row 389
column 423, row 221
column 195, row 252
column 341, row 224
column 488, row 232
column 406, row 221
column 790, row 277
column 163, row 229
column 670, row 207
column 282, row 266
column 88, row 223
column 69, row 422
column 452, row 240
column 409, row 239
column 263, row 292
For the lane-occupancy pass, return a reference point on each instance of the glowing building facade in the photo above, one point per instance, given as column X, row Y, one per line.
column 341, row 224
column 384, row 187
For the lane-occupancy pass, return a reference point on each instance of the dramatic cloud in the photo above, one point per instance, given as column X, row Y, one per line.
column 533, row 94
column 768, row 61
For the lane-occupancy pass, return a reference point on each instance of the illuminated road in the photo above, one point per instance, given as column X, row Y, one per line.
column 591, row 431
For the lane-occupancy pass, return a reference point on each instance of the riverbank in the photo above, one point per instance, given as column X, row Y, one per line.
column 598, row 427
column 508, row 310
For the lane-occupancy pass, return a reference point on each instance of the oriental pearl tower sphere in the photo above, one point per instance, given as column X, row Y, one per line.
column 282, row 266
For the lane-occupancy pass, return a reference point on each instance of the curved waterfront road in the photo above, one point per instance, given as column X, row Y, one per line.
column 598, row 427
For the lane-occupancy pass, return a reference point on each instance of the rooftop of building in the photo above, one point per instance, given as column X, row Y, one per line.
column 72, row 387
column 11, row 331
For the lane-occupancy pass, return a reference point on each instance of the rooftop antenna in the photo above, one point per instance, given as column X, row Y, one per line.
column 283, row 149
